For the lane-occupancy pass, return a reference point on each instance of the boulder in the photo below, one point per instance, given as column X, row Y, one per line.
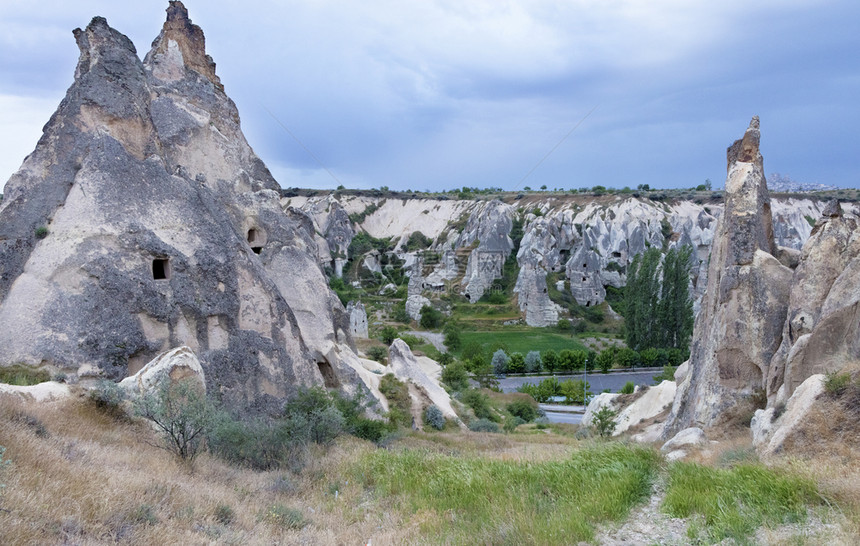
column 653, row 402
column 650, row 435
column 693, row 437
column 601, row 400
column 405, row 367
column 769, row 435
column 173, row 366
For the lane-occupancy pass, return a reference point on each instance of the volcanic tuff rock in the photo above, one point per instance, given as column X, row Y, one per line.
column 739, row 327
column 357, row 319
column 821, row 331
column 164, row 229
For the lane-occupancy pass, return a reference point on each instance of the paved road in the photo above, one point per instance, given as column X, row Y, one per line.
column 597, row 381
column 556, row 416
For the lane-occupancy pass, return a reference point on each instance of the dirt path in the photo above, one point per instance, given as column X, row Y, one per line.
column 647, row 525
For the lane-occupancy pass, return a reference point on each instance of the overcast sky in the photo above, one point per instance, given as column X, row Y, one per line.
column 446, row 93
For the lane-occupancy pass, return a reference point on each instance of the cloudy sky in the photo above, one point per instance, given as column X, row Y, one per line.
column 436, row 94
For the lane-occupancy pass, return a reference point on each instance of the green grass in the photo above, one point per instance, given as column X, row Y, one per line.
column 735, row 502
column 19, row 374
column 473, row 500
column 522, row 340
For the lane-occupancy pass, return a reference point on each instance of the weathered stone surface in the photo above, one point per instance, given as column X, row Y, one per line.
column 357, row 319
column 821, row 331
column 179, row 364
column 650, row 435
column 769, row 435
column 653, row 402
column 739, row 327
column 414, row 304
column 165, row 229
column 48, row 391
column 538, row 254
column 403, row 364
column 596, row 403
column 487, row 230
column 693, row 436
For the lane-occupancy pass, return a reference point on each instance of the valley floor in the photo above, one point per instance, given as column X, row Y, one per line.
column 81, row 476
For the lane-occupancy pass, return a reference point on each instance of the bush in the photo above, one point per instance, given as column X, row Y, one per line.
column 399, row 314
column 603, row 421
column 433, row 417
column 431, row 317
column 605, row 359
column 550, row 360
column 523, row 409
column 480, row 404
column 533, row 362
column 649, row 357
column 399, row 402
column 452, row 339
column 512, row 423
column 108, row 396
column 455, row 376
column 377, row 353
column 627, row 357
column 183, row 414
column 257, row 444
column 500, row 362
column 836, row 383
column 388, row 335
column 628, row 388
column 282, row 516
column 41, row 232
column 668, row 374
column 224, row 514
column 483, row 425
column 312, row 414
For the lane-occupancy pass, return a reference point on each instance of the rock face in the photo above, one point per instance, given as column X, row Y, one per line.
column 423, row 389
column 821, row 332
column 163, row 229
column 487, row 231
column 357, row 319
column 770, row 434
column 739, row 327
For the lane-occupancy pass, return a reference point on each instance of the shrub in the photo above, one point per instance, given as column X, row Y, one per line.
column 500, row 362
column 512, row 423
column 431, row 317
column 41, row 232
column 628, row 388
column 523, row 409
column 550, row 360
column 480, row 404
column 452, row 339
column 181, row 412
column 668, row 374
column 377, row 353
column 627, row 357
column 533, row 362
column 603, row 421
column 108, row 396
column 224, row 514
column 835, row 382
column 388, row 335
column 312, row 414
column 455, row 376
column 605, row 360
column 574, row 391
column 399, row 314
column 283, row 516
column 370, row 429
column 433, row 417
column 258, row 444
column 649, row 357
column 483, row 425
column 399, row 402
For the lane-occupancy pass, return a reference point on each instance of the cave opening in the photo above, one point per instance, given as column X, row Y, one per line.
column 160, row 269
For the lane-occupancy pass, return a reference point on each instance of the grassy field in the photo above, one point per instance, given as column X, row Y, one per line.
column 81, row 476
column 521, row 339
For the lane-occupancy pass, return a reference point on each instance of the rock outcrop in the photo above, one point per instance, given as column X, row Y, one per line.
column 357, row 319
column 163, row 229
column 770, row 431
column 423, row 389
column 821, row 331
column 739, row 327
column 180, row 364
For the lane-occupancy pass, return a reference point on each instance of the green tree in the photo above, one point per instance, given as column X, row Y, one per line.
column 605, row 359
column 550, row 360
column 533, row 362
column 517, row 363
column 500, row 362
column 431, row 317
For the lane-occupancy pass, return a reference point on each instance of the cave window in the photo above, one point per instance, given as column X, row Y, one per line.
column 588, row 304
column 616, row 254
column 160, row 269
column 544, row 290
column 584, row 279
column 254, row 240
column 584, row 266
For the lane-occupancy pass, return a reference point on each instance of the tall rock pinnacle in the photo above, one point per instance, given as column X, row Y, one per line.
column 740, row 324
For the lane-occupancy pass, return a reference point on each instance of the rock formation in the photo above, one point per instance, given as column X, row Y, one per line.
column 163, row 229
column 739, row 327
column 821, row 331
column 357, row 319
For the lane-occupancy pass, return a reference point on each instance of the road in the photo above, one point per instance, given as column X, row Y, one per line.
column 597, row 381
